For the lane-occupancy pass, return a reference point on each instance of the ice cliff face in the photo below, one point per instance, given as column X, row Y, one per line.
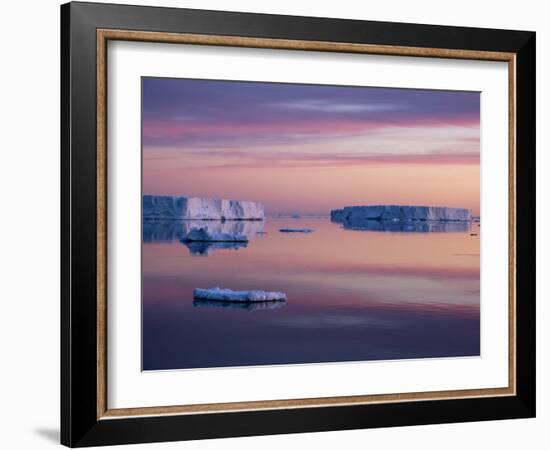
column 186, row 208
column 400, row 213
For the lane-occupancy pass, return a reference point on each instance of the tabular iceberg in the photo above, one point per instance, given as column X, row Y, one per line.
column 203, row 234
column 228, row 295
column 400, row 213
column 157, row 207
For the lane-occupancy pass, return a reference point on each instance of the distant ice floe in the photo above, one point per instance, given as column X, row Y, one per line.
column 296, row 230
column 400, row 212
column 229, row 295
column 403, row 218
column 166, row 207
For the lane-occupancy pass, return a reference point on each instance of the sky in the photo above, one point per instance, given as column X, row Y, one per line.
column 310, row 148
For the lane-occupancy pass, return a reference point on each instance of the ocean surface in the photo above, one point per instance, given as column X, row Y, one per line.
column 353, row 294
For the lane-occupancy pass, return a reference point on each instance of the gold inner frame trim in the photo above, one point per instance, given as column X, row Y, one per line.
column 103, row 36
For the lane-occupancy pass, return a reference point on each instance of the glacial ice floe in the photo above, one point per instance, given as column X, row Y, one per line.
column 203, row 234
column 196, row 208
column 403, row 218
column 296, row 230
column 400, row 212
column 229, row 295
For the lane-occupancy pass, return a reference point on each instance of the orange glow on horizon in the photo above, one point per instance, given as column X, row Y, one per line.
column 318, row 189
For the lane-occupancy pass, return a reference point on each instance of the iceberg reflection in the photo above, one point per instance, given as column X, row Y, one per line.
column 172, row 230
column 406, row 226
column 205, row 248
column 250, row 306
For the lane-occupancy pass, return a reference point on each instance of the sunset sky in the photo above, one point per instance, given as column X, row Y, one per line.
column 310, row 148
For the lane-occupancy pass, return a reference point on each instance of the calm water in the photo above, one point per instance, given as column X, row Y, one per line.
column 353, row 294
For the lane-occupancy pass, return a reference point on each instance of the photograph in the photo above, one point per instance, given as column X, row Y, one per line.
column 287, row 223
column 270, row 225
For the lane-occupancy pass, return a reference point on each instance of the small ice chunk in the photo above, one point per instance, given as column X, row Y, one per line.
column 228, row 295
column 203, row 234
column 296, row 230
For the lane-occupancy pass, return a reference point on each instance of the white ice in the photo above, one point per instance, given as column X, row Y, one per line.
column 197, row 208
column 400, row 212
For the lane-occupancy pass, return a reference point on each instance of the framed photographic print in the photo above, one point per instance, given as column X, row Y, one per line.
column 276, row 224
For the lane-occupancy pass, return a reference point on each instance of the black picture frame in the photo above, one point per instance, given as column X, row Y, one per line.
column 80, row 425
